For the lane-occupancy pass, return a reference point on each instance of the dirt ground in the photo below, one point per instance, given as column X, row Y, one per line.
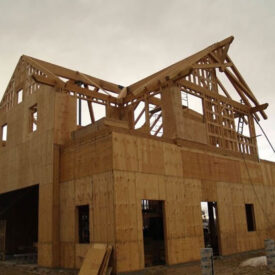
column 228, row 265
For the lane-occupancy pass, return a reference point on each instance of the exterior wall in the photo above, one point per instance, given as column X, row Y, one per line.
column 86, row 178
column 31, row 158
column 150, row 169
column 112, row 172
column 27, row 158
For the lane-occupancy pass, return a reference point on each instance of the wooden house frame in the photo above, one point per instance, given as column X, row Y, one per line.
column 150, row 148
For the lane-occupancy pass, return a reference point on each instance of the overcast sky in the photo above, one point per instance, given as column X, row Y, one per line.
column 125, row 40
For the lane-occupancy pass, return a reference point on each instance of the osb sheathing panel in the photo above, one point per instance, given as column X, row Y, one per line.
column 67, row 255
column 186, row 178
column 193, row 130
column 209, row 167
column 182, row 216
column 27, row 157
column 80, row 253
column 132, row 153
column 255, row 174
column 86, row 158
column 65, row 117
column 97, row 192
column 232, row 219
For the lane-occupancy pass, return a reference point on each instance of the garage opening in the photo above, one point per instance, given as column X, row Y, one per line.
column 19, row 224
column 210, row 225
column 153, row 232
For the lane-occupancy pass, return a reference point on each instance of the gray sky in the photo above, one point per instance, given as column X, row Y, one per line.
column 125, row 40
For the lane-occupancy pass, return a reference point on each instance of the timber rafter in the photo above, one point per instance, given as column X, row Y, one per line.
column 199, row 75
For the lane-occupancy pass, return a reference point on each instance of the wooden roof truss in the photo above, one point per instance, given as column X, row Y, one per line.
column 198, row 75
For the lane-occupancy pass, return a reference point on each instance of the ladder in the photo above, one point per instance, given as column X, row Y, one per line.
column 240, row 122
column 184, row 99
column 240, row 125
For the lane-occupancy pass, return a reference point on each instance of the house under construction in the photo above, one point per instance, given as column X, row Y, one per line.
column 168, row 148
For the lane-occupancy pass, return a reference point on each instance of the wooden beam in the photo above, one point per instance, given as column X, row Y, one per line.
column 206, row 92
column 189, row 61
column 212, row 66
column 156, row 82
column 223, row 88
column 91, row 111
column 75, row 88
column 38, row 66
column 74, row 75
column 139, row 116
column 236, row 72
column 258, row 108
column 157, row 109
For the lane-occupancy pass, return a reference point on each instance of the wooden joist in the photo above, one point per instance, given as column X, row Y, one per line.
column 71, row 87
column 77, row 76
column 258, row 108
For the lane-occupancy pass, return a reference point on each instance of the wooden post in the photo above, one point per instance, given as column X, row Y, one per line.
column 270, row 253
column 171, row 111
column 207, row 261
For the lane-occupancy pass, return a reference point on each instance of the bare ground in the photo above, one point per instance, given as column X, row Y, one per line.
column 228, row 265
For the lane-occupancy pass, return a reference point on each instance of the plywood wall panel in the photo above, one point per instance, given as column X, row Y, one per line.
column 204, row 177
column 125, row 152
column 209, row 190
column 150, row 156
column 67, row 212
column 67, row 254
column 86, row 158
column 102, row 226
column 172, row 160
column 80, row 253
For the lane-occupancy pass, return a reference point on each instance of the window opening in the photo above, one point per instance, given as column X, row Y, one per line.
column 33, row 118
column 4, row 133
column 19, row 96
column 250, row 217
column 88, row 112
column 192, row 102
column 83, row 224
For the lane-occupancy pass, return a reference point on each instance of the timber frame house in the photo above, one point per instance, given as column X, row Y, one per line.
column 147, row 165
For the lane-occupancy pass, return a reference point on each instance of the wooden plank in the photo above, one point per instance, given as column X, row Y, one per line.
column 93, row 260
column 104, row 266
column 70, row 74
column 180, row 65
column 211, row 66
column 90, row 94
column 206, row 92
column 258, row 108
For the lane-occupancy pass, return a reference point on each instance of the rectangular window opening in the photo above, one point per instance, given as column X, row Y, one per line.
column 4, row 135
column 192, row 102
column 83, row 224
column 250, row 217
column 33, row 118
column 19, row 96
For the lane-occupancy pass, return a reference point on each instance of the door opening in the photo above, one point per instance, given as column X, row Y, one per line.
column 153, row 232
column 210, row 225
column 19, row 224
